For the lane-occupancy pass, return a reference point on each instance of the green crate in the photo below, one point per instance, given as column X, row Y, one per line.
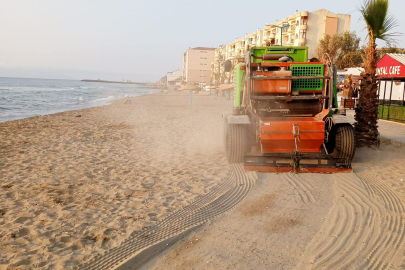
column 307, row 84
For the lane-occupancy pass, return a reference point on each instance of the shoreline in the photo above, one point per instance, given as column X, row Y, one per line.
column 95, row 106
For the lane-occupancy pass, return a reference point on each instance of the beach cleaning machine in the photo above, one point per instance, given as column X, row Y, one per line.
column 285, row 116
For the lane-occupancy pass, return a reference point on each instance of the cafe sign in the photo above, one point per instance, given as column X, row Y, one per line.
column 388, row 67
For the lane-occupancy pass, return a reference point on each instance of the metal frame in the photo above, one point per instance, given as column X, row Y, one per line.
column 302, row 97
column 261, row 164
column 329, row 164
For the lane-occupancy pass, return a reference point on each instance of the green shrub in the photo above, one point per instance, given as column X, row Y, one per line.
column 396, row 112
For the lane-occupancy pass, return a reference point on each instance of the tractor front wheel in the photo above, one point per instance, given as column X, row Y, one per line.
column 344, row 144
column 235, row 143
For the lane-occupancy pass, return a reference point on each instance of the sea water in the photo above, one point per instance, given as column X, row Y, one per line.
column 21, row 98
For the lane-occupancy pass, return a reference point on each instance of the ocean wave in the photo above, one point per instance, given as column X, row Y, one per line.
column 22, row 98
column 99, row 100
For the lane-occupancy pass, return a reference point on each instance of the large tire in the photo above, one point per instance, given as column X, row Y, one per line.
column 344, row 144
column 235, row 142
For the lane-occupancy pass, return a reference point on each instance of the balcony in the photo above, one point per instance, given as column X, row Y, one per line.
column 302, row 41
column 303, row 27
column 304, row 14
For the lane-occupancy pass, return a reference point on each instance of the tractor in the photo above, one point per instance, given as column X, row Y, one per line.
column 285, row 116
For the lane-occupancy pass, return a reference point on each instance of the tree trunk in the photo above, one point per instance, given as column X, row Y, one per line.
column 366, row 130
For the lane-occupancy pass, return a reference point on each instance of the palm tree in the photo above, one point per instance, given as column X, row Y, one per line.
column 379, row 24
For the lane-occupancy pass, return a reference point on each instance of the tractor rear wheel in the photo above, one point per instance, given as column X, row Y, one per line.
column 344, row 144
column 235, row 143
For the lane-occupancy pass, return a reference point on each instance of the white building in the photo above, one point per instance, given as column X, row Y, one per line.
column 306, row 29
column 174, row 78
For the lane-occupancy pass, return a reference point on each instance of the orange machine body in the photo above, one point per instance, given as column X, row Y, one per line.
column 277, row 134
column 278, row 86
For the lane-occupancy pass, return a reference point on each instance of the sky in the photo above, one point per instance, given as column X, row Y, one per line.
column 138, row 40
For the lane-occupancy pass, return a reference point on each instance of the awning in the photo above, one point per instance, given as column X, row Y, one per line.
column 226, row 86
column 391, row 66
column 188, row 87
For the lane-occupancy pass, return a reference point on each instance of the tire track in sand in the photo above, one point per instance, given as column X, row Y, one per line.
column 221, row 199
column 364, row 228
column 301, row 186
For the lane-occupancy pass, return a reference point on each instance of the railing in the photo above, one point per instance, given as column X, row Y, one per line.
column 389, row 109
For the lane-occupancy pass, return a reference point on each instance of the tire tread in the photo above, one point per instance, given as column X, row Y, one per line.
column 236, row 143
column 345, row 146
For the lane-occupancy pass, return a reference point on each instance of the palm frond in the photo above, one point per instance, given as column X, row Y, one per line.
column 379, row 22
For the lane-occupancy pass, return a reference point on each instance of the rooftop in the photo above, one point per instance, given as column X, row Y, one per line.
column 400, row 57
column 203, row 48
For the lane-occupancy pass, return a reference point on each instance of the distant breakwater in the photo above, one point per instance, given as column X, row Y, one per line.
column 104, row 81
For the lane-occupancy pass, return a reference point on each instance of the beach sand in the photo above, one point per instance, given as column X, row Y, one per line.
column 308, row 221
column 77, row 183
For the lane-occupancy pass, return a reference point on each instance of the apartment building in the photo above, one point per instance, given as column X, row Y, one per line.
column 197, row 64
column 305, row 29
column 300, row 29
column 217, row 68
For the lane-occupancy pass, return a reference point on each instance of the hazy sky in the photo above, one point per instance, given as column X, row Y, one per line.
column 137, row 40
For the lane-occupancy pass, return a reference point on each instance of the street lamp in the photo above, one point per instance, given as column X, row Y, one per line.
column 284, row 25
column 219, row 68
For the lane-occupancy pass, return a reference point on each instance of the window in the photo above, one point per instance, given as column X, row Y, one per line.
column 304, row 21
column 303, row 34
